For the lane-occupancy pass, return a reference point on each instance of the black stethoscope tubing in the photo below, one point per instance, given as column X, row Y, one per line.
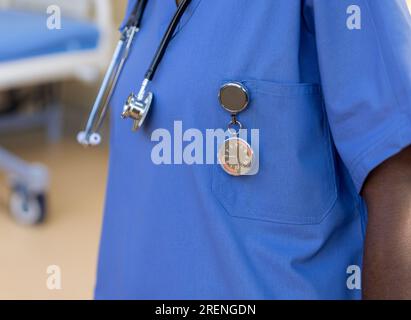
column 90, row 136
column 135, row 21
column 162, row 48
column 137, row 14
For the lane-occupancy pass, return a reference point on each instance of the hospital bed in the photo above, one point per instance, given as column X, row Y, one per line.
column 36, row 51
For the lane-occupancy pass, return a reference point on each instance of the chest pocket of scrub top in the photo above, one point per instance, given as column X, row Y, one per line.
column 295, row 183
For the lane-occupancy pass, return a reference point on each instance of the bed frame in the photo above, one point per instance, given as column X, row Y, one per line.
column 84, row 65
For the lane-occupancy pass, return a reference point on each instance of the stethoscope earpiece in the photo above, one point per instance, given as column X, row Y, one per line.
column 93, row 139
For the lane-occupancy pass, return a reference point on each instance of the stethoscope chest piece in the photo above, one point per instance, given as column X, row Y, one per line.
column 137, row 108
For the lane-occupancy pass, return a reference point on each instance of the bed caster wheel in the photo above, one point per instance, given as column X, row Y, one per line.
column 27, row 208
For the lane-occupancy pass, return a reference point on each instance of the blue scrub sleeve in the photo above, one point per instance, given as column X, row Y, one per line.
column 364, row 54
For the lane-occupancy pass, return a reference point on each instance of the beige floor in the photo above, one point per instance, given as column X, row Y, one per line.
column 70, row 236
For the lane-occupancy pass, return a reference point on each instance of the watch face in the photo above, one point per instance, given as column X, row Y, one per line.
column 236, row 156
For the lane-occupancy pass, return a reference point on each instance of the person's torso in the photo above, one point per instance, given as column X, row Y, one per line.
column 184, row 230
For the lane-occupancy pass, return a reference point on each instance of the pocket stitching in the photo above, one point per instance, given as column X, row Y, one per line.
column 284, row 89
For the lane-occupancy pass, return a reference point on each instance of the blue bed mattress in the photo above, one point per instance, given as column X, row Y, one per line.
column 25, row 35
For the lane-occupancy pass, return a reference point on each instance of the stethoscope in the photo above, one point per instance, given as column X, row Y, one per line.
column 233, row 96
column 137, row 106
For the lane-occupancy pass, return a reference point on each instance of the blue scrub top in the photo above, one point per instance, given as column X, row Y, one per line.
column 331, row 103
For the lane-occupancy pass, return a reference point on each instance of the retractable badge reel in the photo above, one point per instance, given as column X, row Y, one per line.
column 235, row 155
